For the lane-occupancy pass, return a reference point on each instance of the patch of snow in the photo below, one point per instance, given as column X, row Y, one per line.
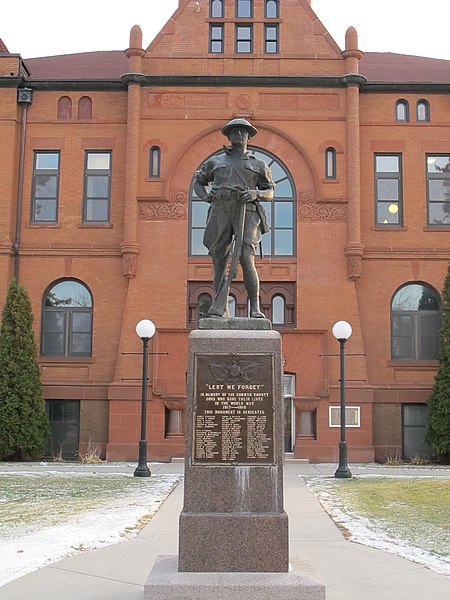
column 108, row 525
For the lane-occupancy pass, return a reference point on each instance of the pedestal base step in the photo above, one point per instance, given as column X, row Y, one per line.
column 166, row 583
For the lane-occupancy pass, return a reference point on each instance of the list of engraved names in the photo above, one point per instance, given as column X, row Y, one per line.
column 233, row 419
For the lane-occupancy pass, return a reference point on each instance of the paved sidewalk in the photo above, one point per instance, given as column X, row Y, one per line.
column 350, row 571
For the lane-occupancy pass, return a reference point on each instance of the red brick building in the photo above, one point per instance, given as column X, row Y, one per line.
column 99, row 222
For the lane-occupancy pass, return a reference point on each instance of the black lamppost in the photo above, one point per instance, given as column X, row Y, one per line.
column 342, row 331
column 145, row 330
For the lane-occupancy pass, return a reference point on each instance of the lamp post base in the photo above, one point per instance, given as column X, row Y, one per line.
column 343, row 472
column 142, row 469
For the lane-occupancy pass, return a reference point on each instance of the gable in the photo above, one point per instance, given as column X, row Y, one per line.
column 185, row 42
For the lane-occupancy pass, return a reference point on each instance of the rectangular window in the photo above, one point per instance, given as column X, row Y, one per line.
column 352, row 416
column 438, row 190
column 244, row 39
column 45, row 187
column 97, row 187
column 216, row 38
column 244, row 9
column 388, row 190
column 271, row 39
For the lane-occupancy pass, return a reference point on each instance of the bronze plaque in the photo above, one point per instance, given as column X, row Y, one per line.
column 234, row 404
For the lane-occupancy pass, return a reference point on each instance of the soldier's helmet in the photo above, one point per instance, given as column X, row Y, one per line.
column 239, row 123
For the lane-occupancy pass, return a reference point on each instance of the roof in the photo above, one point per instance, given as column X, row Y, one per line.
column 403, row 68
column 108, row 65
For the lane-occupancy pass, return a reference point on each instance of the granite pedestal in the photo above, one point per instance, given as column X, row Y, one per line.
column 233, row 530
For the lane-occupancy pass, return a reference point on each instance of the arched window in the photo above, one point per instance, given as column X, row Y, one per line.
column 67, row 320
column 280, row 241
column 64, row 108
column 155, row 162
column 216, row 9
column 415, row 322
column 85, row 108
column 278, row 310
column 402, row 111
column 232, row 305
column 271, row 9
column 204, row 304
column 423, row 111
column 330, row 163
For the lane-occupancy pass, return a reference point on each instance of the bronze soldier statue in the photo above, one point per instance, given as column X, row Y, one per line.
column 236, row 220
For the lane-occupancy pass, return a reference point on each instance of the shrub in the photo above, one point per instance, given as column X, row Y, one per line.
column 24, row 427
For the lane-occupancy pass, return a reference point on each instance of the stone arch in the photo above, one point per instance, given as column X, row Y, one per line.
column 293, row 156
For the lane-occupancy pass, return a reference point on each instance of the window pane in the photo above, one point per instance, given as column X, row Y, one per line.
column 81, row 343
column 199, row 213
column 429, row 348
column 438, row 164
column 217, row 8
column 283, row 189
column 283, row 242
column 271, row 47
column 268, row 209
column 216, row 47
column 98, row 161
column 52, row 343
column 67, row 294
column 216, row 33
column 402, row 111
column 98, row 186
column 53, row 321
column 96, row 210
column 422, row 111
column 402, row 325
column 388, row 213
column 271, row 9
column 277, row 170
column 45, row 210
column 271, row 33
column 244, row 8
column 439, row 213
column 197, row 248
column 283, row 214
column 232, row 305
column 439, row 189
column 45, row 186
column 267, row 244
column 244, row 47
column 204, row 304
column 402, row 347
column 387, row 189
column 278, row 310
column 81, row 322
column 387, row 164
column 415, row 297
column 47, row 161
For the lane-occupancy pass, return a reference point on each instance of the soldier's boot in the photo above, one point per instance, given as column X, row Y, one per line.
column 252, row 286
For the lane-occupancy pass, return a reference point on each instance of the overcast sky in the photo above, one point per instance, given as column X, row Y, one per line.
column 48, row 27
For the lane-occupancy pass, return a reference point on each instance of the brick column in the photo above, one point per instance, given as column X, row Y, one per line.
column 354, row 248
column 130, row 245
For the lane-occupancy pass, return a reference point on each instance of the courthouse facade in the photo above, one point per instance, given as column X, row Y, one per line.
column 99, row 221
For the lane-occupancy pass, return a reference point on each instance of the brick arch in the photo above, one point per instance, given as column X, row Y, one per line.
column 290, row 153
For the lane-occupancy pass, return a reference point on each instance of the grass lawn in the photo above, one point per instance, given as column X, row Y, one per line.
column 402, row 515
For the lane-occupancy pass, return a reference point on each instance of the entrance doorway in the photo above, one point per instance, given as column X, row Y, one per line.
column 289, row 412
column 64, row 418
column 414, row 419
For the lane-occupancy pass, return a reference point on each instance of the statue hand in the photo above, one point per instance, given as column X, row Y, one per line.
column 249, row 195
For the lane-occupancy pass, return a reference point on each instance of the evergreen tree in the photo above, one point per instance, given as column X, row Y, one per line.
column 438, row 425
column 24, row 427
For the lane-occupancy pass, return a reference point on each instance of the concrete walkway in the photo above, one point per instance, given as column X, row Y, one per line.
column 350, row 571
